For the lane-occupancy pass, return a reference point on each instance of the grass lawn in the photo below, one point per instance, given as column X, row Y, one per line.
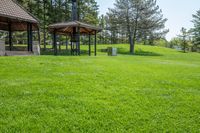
column 156, row 90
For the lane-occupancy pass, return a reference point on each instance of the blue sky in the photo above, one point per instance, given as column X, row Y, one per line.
column 178, row 12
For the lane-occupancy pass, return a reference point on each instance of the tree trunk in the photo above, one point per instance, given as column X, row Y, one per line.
column 130, row 34
column 131, row 43
column 44, row 28
column 184, row 47
column 135, row 33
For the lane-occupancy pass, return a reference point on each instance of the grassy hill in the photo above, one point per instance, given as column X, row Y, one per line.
column 156, row 90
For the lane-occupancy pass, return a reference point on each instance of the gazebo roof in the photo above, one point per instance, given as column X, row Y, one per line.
column 12, row 12
column 67, row 28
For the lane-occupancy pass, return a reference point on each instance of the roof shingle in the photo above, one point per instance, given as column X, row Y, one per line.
column 10, row 9
column 13, row 13
column 67, row 28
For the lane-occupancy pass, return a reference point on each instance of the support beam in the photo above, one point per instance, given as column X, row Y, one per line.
column 28, row 36
column 74, row 41
column 71, row 46
column 79, row 47
column 55, row 43
column 10, row 36
column 31, row 38
column 66, row 43
column 95, row 44
column 77, row 41
column 89, row 45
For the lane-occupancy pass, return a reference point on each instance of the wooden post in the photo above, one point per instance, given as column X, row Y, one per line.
column 28, row 36
column 77, row 41
column 10, row 36
column 95, row 44
column 79, row 47
column 89, row 45
column 55, row 43
column 31, row 38
column 66, row 43
column 73, row 48
column 71, row 45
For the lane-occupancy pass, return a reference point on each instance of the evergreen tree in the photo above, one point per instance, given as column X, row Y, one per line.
column 196, row 30
column 184, row 39
column 152, row 23
column 53, row 11
column 88, row 11
column 141, row 19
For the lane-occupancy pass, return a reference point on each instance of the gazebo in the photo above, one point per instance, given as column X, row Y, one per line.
column 13, row 17
column 74, row 29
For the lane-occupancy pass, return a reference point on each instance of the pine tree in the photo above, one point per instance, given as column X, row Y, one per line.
column 152, row 23
column 53, row 11
column 141, row 19
column 126, row 14
column 88, row 11
column 184, row 39
column 196, row 30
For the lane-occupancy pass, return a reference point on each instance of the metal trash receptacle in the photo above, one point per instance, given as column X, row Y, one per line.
column 112, row 51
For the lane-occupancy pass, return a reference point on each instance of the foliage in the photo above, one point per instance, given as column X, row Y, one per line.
column 52, row 11
column 174, row 42
column 141, row 20
column 104, row 37
column 184, row 37
column 161, row 42
column 196, row 30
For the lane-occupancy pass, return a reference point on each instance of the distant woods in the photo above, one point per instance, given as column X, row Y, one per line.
column 196, row 31
column 53, row 11
column 130, row 21
column 189, row 39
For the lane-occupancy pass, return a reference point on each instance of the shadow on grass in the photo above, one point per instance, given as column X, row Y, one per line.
column 184, row 52
column 17, row 48
column 62, row 52
column 138, row 52
column 123, row 51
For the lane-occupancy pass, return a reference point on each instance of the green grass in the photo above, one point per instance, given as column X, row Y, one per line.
column 156, row 90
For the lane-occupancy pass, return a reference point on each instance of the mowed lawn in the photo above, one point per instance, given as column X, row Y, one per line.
column 156, row 90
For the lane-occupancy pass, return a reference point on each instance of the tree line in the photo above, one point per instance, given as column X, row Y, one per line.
column 130, row 21
column 189, row 39
column 53, row 11
column 134, row 21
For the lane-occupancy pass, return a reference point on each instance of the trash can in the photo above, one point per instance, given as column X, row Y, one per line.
column 112, row 51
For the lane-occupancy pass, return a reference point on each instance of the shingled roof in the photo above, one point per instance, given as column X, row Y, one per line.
column 67, row 28
column 12, row 12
